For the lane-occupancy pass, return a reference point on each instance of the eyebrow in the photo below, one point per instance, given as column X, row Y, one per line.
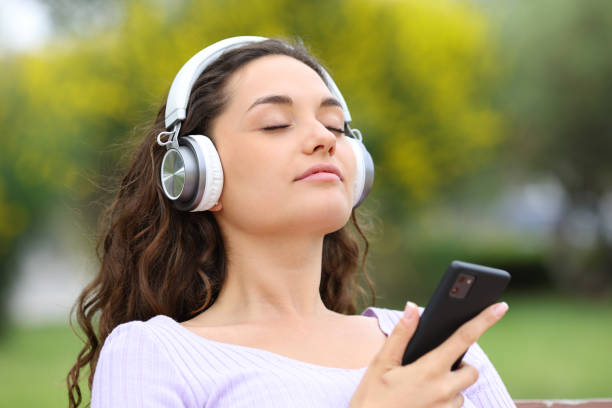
column 285, row 100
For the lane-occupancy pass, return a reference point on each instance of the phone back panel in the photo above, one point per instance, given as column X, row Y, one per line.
column 446, row 313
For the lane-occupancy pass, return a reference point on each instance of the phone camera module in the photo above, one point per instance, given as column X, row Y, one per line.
column 462, row 286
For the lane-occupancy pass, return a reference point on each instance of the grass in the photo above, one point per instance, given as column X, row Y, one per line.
column 553, row 347
column 545, row 347
column 35, row 361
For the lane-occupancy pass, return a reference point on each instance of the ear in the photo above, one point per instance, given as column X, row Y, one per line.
column 216, row 207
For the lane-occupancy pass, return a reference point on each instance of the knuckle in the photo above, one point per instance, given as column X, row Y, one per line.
column 447, row 392
column 378, row 359
column 455, row 401
column 402, row 329
column 472, row 373
column 490, row 319
column 427, row 367
column 466, row 335
column 386, row 379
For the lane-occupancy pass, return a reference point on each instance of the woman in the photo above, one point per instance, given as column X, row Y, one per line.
column 235, row 286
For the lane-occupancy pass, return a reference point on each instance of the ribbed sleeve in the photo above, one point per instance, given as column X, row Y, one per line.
column 135, row 371
column 489, row 390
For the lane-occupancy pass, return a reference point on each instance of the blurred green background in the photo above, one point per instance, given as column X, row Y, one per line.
column 490, row 124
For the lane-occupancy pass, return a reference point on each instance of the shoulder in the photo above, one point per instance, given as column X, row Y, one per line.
column 135, row 334
column 136, row 338
column 135, row 367
column 131, row 347
column 159, row 340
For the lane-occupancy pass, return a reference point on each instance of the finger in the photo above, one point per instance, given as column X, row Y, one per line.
column 468, row 334
column 393, row 350
column 463, row 377
column 458, row 401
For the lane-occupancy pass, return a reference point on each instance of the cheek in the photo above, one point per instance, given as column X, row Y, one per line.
column 256, row 194
column 347, row 158
column 251, row 172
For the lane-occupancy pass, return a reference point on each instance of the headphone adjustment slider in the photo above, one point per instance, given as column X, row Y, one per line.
column 172, row 141
column 355, row 133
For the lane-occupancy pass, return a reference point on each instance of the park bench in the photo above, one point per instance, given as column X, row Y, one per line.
column 593, row 403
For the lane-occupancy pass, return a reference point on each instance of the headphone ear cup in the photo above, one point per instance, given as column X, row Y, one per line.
column 364, row 171
column 179, row 176
column 211, row 173
column 196, row 165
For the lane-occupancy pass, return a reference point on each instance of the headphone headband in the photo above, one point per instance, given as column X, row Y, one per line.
column 178, row 97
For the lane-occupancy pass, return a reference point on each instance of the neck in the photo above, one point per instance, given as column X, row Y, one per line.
column 271, row 278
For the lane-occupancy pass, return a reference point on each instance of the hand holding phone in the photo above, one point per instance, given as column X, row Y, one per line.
column 464, row 291
column 427, row 381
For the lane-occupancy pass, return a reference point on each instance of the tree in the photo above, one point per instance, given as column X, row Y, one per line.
column 558, row 105
column 415, row 75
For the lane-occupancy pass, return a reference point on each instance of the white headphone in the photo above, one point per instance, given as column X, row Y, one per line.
column 191, row 172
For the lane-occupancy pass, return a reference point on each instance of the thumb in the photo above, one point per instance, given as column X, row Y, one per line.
column 392, row 351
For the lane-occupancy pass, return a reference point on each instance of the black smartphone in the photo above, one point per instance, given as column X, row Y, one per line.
column 464, row 291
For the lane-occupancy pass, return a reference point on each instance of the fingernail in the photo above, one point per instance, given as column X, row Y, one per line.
column 500, row 309
column 410, row 311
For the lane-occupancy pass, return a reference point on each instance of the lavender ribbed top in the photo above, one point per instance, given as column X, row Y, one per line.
column 159, row 363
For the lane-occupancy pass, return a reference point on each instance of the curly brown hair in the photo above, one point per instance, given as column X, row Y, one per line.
column 148, row 247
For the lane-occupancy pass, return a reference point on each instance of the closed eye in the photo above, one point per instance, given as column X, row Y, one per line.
column 336, row 130
column 276, row 127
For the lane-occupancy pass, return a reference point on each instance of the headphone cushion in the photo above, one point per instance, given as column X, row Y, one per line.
column 213, row 171
column 360, row 170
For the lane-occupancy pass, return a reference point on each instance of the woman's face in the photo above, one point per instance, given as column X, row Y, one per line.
column 279, row 122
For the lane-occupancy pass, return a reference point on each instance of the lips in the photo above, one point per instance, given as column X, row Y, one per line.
column 321, row 168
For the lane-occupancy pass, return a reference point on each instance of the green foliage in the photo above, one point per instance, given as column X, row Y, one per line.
column 410, row 260
column 557, row 105
column 415, row 75
column 559, row 89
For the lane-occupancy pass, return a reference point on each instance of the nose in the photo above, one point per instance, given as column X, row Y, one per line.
column 319, row 138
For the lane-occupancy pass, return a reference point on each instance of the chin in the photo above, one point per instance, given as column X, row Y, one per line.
column 320, row 214
column 325, row 218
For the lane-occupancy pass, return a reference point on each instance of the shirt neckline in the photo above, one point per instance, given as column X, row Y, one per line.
column 186, row 332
